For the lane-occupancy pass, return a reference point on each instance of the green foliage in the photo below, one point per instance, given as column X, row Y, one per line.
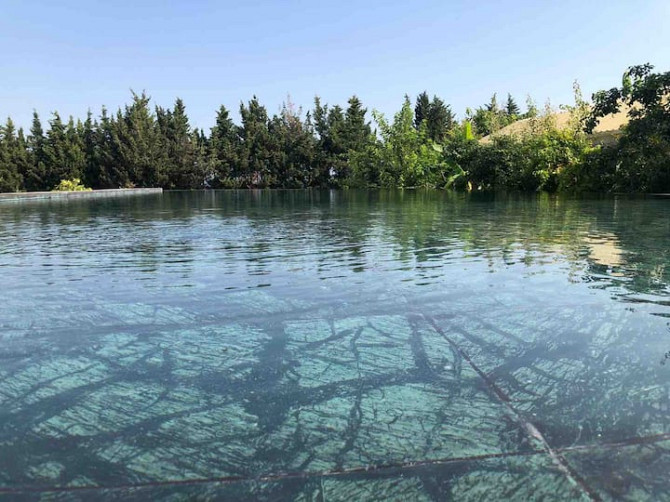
column 468, row 130
column 253, row 169
column 63, row 152
column 357, row 135
column 435, row 116
column 343, row 138
column 531, row 109
column 331, row 146
column 405, row 156
column 293, row 148
column 641, row 159
column 13, row 158
column 106, row 162
column 224, row 149
column 544, row 158
column 512, row 109
column 73, row 185
column 183, row 167
column 331, row 155
column 440, row 120
column 421, row 109
column 89, row 138
column 35, row 176
column 489, row 118
column 139, row 146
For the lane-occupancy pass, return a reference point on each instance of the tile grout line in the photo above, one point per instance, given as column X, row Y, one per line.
column 527, row 426
column 267, row 477
column 634, row 441
column 330, row 473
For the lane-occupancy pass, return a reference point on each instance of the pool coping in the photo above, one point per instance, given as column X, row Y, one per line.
column 89, row 194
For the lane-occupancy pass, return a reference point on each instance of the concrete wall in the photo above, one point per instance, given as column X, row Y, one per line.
column 115, row 192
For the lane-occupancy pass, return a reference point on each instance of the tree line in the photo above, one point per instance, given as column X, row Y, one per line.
column 331, row 146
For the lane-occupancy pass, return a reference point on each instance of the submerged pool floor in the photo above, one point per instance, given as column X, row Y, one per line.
column 294, row 404
column 521, row 383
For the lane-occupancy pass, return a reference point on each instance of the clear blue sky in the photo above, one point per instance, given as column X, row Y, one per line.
column 71, row 55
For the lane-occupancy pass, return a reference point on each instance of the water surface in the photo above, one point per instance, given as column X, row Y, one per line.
column 310, row 345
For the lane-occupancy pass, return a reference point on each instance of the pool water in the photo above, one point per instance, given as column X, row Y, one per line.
column 335, row 345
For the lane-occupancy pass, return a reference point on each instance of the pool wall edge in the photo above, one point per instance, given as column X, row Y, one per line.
column 113, row 192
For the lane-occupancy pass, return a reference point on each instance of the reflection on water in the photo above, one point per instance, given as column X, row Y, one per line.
column 414, row 344
column 605, row 250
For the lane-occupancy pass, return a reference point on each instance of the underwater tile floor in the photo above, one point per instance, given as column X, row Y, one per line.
column 308, row 403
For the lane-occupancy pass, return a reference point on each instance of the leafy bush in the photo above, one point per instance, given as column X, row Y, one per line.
column 405, row 157
column 640, row 162
column 544, row 157
column 73, row 185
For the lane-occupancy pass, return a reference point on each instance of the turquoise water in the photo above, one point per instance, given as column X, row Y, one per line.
column 297, row 345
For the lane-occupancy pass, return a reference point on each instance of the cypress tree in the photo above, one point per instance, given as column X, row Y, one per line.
column 435, row 116
column 36, row 176
column 92, row 176
column 492, row 106
column 421, row 109
column 328, row 126
column 181, row 169
column 107, row 157
column 357, row 130
column 10, row 155
column 336, row 145
column 512, row 109
column 75, row 156
column 139, row 144
column 255, row 151
column 294, row 149
column 356, row 133
column 22, row 158
column 201, row 157
column 224, row 150
column 440, row 120
column 55, row 153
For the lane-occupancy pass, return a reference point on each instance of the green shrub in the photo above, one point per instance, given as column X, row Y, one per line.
column 640, row 161
column 544, row 157
column 73, row 185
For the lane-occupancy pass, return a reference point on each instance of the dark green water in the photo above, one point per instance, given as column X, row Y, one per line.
column 335, row 346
